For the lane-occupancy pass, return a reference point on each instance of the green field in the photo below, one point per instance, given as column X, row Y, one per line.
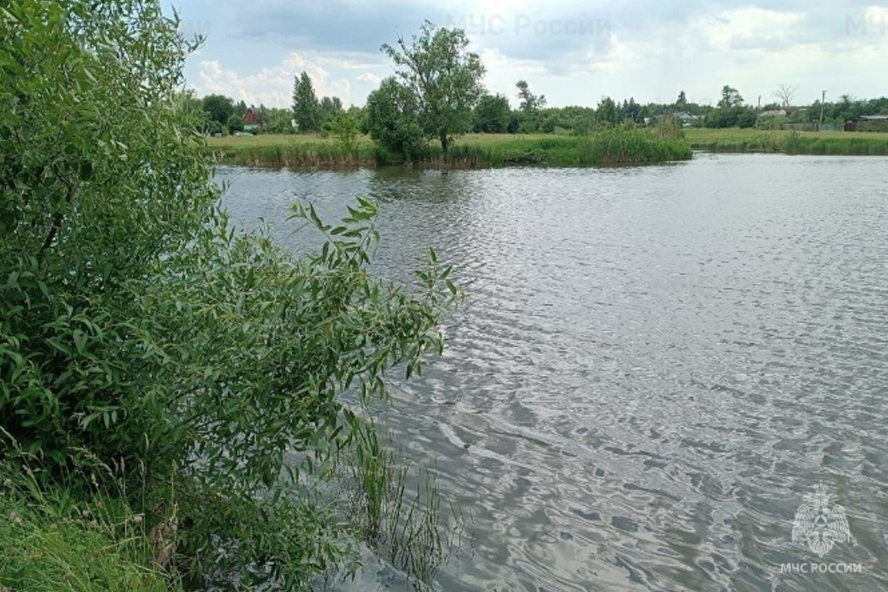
column 755, row 140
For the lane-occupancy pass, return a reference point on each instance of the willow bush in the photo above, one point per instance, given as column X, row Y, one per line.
column 140, row 331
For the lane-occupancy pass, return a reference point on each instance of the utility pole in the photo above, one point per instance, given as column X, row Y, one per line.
column 822, row 101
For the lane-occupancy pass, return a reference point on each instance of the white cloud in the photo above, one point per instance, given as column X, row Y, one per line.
column 370, row 78
column 271, row 86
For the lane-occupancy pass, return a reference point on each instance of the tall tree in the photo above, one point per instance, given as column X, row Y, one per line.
column 730, row 97
column 329, row 106
column 607, row 111
column 444, row 75
column 682, row 99
column 529, row 101
column 306, row 110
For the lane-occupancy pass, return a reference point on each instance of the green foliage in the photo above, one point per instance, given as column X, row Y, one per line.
column 345, row 128
column 137, row 326
column 730, row 97
column 492, row 114
column 392, row 119
column 738, row 116
column 235, row 123
column 445, row 77
column 306, row 110
column 277, row 121
column 530, row 103
column 52, row 541
column 607, row 112
column 327, row 109
column 219, row 108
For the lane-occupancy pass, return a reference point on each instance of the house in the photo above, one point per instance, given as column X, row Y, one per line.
column 775, row 113
column 873, row 123
column 253, row 120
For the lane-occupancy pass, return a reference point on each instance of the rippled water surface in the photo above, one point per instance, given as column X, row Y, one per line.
column 654, row 366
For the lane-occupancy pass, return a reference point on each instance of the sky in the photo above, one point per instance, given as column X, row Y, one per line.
column 573, row 51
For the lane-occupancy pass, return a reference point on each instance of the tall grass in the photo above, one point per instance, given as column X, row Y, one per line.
column 789, row 142
column 50, row 541
column 397, row 511
column 606, row 148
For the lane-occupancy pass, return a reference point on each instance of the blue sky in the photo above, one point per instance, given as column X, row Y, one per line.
column 572, row 51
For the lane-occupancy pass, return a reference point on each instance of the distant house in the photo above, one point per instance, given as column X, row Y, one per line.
column 873, row 123
column 686, row 119
column 253, row 119
column 775, row 113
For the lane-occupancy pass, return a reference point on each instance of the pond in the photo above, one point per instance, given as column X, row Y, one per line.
column 654, row 367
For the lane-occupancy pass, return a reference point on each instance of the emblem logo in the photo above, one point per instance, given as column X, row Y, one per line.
column 818, row 525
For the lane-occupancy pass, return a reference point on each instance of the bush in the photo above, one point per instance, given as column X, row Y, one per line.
column 392, row 120
column 138, row 327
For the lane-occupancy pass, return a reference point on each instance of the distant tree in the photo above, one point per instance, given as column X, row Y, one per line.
column 393, row 120
column 730, row 97
column 306, row 110
column 328, row 107
column 606, row 111
column 344, row 126
column 277, row 121
column 529, row 101
column 240, row 108
column 682, row 99
column 444, row 76
column 493, row 114
column 785, row 93
column 235, row 123
column 632, row 111
column 218, row 108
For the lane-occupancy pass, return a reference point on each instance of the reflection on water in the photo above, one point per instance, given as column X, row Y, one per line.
column 654, row 366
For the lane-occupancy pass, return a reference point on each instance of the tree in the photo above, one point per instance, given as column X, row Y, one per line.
column 785, row 93
column 392, row 119
column 607, row 111
column 235, row 123
column 730, row 97
column 682, row 99
column 329, row 106
column 218, row 108
column 306, row 110
column 444, row 76
column 530, row 103
column 492, row 115
column 345, row 128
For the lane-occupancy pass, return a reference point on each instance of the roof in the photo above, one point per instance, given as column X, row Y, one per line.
column 876, row 117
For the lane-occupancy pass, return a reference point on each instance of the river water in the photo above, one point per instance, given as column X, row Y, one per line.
column 653, row 368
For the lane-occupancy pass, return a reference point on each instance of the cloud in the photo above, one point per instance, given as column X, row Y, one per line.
column 574, row 51
column 370, row 78
column 271, row 86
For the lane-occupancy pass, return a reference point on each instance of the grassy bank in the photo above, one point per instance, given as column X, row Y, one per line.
column 753, row 140
column 50, row 541
column 609, row 148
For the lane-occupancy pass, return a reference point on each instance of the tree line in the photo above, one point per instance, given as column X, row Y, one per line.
column 437, row 93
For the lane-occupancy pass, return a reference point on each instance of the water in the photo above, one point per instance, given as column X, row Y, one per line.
column 654, row 366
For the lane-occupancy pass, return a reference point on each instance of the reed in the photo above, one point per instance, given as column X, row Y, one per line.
column 606, row 148
column 396, row 509
column 789, row 142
